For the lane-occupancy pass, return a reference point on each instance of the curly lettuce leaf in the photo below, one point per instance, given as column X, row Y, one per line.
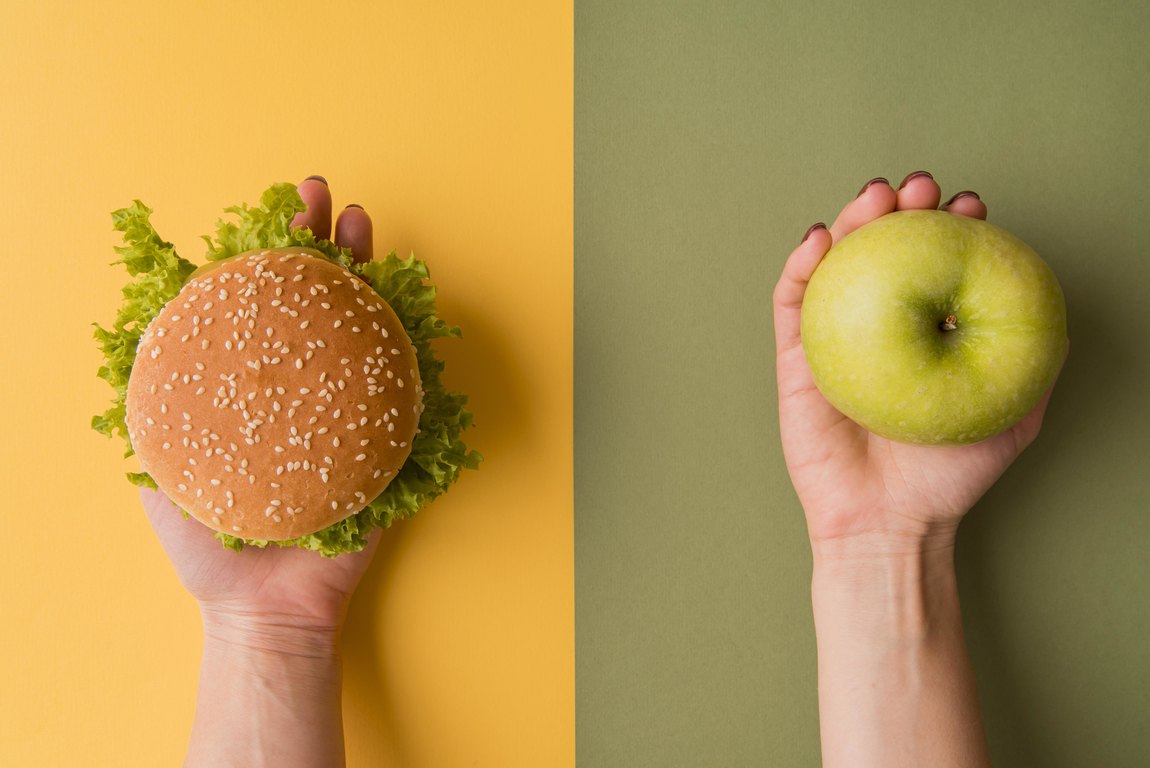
column 438, row 454
column 269, row 226
column 160, row 273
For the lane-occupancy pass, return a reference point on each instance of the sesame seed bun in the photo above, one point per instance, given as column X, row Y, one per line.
column 276, row 395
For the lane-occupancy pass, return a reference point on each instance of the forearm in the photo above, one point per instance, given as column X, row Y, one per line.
column 896, row 688
column 268, row 696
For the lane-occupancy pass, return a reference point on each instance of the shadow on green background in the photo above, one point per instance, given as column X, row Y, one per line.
column 707, row 138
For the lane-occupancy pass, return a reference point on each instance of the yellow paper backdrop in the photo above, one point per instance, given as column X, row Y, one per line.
column 451, row 123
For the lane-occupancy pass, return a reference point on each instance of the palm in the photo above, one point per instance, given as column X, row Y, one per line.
column 851, row 481
column 270, row 582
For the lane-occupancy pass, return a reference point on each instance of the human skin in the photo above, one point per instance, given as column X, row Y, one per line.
column 896, row 688
column 270, row 680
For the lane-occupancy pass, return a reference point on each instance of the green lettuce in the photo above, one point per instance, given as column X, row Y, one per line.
column 438, row 453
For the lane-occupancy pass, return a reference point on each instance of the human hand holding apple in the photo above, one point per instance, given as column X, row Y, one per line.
column 895, row 684
column 857, row 486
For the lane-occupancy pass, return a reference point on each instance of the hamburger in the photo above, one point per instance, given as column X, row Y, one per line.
column 281, row 393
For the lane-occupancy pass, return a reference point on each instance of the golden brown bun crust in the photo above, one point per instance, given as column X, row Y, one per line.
column 277, row 394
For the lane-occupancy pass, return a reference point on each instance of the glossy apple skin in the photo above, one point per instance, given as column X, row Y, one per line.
column 872, row 330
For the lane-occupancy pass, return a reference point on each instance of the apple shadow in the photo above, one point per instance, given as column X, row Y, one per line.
column 482, row 366
column 1018, row 734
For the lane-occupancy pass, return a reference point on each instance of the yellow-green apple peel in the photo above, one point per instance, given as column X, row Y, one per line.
column 932, row 328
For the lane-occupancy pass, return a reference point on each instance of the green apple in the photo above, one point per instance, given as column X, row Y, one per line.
column 927, row 327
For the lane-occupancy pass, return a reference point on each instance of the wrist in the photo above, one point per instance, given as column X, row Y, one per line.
column 269, row 633
column 885, row 587
column 907, row 541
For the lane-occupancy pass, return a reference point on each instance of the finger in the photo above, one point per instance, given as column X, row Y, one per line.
column 317, row 197
column 966, row 203
column 918, row 191
column 353, row 230
column 876, row 199
column 792, row 286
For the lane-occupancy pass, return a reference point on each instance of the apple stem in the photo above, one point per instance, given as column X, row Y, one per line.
column 949, row 324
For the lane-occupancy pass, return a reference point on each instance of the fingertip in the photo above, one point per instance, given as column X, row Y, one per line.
column 317, row 216
column 966, row 203
column 802, row 262
column 809, row 232
column 918, row 191
column 877, row 198
column 354, row 230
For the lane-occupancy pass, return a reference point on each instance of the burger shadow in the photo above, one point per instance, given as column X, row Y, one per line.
column 1007, row 678
column 483, row 367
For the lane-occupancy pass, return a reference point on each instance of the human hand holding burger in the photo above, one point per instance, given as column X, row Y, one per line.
column 272, row 617
column 288, row 586
column 286, row 399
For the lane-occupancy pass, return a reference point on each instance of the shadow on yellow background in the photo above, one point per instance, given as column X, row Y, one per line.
column 452, row 126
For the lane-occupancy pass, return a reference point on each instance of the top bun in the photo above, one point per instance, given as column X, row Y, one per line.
column 276, row 395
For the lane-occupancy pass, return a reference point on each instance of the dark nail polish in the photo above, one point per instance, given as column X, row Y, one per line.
column 820, row 225
column 964, row 193
column 914, row 175
column 317, row 178
column 867, row 186
column 354, row 205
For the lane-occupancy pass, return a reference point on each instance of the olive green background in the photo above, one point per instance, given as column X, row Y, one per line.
column 708, row 136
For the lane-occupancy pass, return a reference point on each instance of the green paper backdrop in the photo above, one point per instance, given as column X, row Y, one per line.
column 708, row 136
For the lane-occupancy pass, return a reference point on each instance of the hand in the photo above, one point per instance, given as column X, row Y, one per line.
column 283, row 587
column 857, row 487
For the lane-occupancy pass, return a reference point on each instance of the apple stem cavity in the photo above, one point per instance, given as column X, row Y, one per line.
column 949, row 324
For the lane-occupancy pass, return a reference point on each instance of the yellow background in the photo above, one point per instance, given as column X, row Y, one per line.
column 451, row 123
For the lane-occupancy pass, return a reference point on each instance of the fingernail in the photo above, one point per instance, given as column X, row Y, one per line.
column 963, row 193
column 914, row 175
column 867, row 186
column 320, row 179
column 820, row 225
column 354, row 205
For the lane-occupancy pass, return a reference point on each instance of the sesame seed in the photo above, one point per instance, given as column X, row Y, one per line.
column 361, row 456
